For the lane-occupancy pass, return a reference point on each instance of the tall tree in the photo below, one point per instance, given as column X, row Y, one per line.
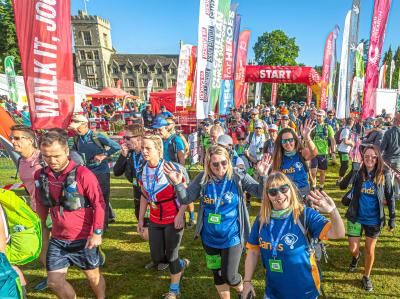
column 276, row 48
column 8, row 38
column 387, row 59
column 396, row 73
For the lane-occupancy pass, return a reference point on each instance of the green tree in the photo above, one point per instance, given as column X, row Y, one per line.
column 8, row 38
column 396, row 73
column 387, row 59
column 276, row 48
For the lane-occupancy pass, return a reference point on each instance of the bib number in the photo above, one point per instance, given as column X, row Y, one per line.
column 275, row 266
column 213, row 262
column 214, row 218
column 353, row 229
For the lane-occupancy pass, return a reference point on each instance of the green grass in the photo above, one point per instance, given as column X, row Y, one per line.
column 127, row 254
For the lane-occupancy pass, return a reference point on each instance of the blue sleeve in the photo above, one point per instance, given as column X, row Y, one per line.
column 180, row 146
column 114, row 147
column 316, row 223
column 170, row 114
column 254, row 233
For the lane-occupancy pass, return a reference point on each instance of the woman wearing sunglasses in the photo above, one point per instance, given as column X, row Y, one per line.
column 372, row 189
column 223, row 219
column 290, row 156
column 279, row 235
column 166, row 219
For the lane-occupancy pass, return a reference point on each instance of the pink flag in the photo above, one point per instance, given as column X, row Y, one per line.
column 378, row 27
column 274, row 93
column 240, row 70
column 326, row 71
column 309, row 95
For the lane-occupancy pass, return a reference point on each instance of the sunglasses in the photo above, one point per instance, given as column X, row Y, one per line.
column 240, row 139
column 290, row 140
column 217, row 164
column 370, row 157
column 17, row 138
column 128, row 137
column 282, row 189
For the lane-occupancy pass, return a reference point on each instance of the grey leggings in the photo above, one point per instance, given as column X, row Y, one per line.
column 164, row 242
column 230, row 260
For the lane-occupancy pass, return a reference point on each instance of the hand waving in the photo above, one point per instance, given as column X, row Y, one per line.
column 307, row 128
column 264, row 165
column 175, row 176
column 321, row 201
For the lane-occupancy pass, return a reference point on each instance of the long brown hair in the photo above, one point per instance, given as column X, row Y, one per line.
column 276, row 179
column 379, row 176
column 279, row 150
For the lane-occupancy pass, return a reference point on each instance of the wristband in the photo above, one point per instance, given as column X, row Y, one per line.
column 98, row 231
column 249, row 281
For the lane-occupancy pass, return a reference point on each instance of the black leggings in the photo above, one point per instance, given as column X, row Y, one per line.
column 164, row 242
column 344, row 165
column 230, row 260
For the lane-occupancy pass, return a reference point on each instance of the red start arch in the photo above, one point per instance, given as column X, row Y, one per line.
column 285, row 74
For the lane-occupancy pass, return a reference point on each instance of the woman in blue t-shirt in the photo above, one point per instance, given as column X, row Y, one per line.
column 279, row 235
column 290, row 156
column 372, row 189
column 223, row 220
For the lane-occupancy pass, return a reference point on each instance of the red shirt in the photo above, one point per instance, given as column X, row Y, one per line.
column 163, row 191
column 78, row 224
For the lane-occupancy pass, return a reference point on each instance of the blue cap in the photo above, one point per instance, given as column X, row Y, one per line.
column 159, row 122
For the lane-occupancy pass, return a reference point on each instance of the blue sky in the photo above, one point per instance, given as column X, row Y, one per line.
column 156, row 26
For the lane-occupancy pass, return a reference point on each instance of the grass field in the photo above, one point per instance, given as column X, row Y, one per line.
column 127, row 254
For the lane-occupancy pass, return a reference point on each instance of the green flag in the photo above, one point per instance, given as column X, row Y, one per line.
column 10, row 75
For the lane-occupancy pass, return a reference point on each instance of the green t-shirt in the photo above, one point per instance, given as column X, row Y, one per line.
column 205, row 141
column 320, row 137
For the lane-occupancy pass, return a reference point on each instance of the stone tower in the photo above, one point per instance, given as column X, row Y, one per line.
column 93, row 50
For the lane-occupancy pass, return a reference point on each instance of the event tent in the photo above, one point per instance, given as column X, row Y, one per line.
column 107, row 95
column 81, row 91
column 165, row 97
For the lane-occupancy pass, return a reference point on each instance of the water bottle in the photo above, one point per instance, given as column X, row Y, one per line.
column 71, row 188
column 18, row 228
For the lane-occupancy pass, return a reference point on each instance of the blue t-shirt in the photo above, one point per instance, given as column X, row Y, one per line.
column 180, row 146
column 166, row 114
column 227, row 233
column 296, row 280
column 294, row 169
column 368, row 210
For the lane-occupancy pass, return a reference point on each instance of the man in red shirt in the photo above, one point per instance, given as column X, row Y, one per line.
column 72, row 195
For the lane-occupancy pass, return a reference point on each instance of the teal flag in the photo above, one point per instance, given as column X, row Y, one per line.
column 10, row 75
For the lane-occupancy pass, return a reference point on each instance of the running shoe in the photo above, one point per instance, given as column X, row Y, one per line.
column 42, row 285
column 191, row 224
column 354, row 263
column 162, row 267
column 171, row 295
column 150, row 265
column 367, row 284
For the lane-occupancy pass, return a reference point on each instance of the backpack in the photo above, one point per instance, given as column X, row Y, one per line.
column 337, row 136
column 10, row 284
column 173, row 151
column 325, row 132
column 23, row 228
column 186, row 144
column 95, row 140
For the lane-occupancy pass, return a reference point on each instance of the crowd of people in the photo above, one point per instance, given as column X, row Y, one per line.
column 274, row 155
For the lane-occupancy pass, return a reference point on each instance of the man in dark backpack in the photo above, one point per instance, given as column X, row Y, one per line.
column 95, row 149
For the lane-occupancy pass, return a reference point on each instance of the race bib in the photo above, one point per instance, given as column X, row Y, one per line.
column 213, row 262
column 353, row 229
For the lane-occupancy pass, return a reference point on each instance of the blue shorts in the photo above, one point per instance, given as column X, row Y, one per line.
column 63, row 254
column 320, row 162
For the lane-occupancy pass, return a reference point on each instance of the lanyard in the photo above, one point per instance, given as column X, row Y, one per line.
column 216, row 197
column 136, row 161
column 275, row 242
column 151, row 187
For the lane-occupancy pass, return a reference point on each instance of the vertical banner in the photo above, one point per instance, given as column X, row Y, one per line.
column 219, row 51
column 392, row 66
column 149, row 89
column 183, row 75
column 205, row 55
column 378, row 27
column 274, row 93
column 352, row 47
column 382, row 77
column 119, row 83
column 341, row 95
column 231, row 38
column 257, row 99
column 43, row 30
column 309, row 95
column 358, row 81
column 332, row 73
column 10, row 75
column 322, row 103
column 240, row 68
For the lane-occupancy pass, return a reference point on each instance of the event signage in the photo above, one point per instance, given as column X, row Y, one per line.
column 232, row 35
column 240, row 69
column 309, row 95
column 378, row 27
column 282, row 74
column 257, row 98
column 274, row 93
column 10, row 75
column 205, row 55
column 326, row 72
column 149, row 89
column 183, row 75
column 358, row 81
column 332, row 73
column 342, row 96
column 221, row 21
column 43, row 29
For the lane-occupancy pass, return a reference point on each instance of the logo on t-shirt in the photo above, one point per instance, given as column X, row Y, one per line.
column 290, row 240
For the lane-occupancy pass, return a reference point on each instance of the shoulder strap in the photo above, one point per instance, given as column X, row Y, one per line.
column 97, row 141
column 302, row 223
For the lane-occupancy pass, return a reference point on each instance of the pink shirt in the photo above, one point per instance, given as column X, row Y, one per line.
column 27, row 169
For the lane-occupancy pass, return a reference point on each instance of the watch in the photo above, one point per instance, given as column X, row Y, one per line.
column 98, row 231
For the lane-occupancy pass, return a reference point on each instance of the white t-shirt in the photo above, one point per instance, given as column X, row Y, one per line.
column 345, row 134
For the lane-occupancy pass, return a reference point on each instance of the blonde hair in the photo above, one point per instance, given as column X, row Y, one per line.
column 208, row 174
column 276, row 179
column 158, row 143
column 217, row 129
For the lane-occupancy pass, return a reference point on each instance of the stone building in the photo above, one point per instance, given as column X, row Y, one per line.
column 98, row 65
